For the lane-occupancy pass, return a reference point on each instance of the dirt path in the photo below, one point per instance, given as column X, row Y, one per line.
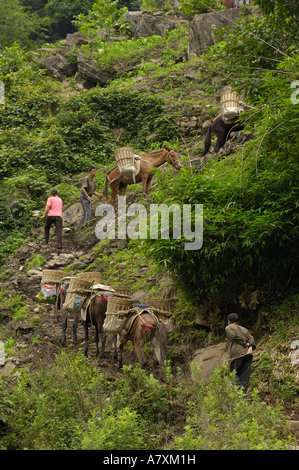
column 38, row 338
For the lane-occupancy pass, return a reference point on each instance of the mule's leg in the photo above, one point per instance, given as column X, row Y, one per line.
column 139, row 349
column 144, row 183
column 160, row 354
column 64, row 327
column 85, row 324
column 75, row 327
column 96, row 338
column 148, row 182
column 115, row 346
column 122, row 189
column 114, row 188
column 103, row 343
column 123, row 340
column 221, row 139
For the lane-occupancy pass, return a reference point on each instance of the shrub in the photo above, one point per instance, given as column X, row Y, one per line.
column 114, row 430
column 222, row 418
column 49, row 404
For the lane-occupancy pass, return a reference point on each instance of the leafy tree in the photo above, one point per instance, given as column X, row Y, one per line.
column 62, row 12
column 37, row 6
column 17, row 23
column 104, row 14
column 281, row 9
column 196, row 7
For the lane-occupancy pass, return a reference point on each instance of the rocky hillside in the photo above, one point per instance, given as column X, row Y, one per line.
column 163, row 86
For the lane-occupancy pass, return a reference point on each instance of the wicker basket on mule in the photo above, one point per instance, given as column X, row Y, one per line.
column 123, row 291
column 52, row 276
column 76, row 294
column 118, row 309
column 49, row 285
column 124, row 157
column 92, row 276
column 230, row 105
column 163, row 309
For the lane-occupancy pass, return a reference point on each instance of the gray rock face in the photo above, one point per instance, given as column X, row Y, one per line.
column 146, row 24
column 58, row 67
column 202, row 29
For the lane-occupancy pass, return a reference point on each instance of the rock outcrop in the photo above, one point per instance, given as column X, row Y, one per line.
column 144, row 24
column 202, row 29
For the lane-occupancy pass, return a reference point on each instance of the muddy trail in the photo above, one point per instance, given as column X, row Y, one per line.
column 39, row 337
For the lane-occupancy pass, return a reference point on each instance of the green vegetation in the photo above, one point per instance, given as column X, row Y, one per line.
column 72, row 406
column 52, row 131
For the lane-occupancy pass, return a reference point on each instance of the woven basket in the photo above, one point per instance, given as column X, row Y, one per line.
column 93, row 277
column 229, row 99
column 163, row 309
column 125, row 290
column 124, row 156
column 77, row 286
column 161, row 305
column 52, row 276
column 116, row 314
column 119, row 305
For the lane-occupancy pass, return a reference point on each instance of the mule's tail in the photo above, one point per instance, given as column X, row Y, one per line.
column 105, row 190
column 208, row 141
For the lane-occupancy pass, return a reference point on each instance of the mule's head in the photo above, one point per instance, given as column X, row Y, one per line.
column 173, row 158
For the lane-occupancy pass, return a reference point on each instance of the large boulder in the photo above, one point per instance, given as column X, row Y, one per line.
column 90, row 73
column 144, row 24
column 58, row 66
column 202, row 29
column 72, row 215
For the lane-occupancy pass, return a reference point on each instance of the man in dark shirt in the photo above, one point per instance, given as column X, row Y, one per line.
column 88, row 188
column 240, row 345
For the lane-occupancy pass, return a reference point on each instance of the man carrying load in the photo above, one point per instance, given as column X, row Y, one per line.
column 88, row 188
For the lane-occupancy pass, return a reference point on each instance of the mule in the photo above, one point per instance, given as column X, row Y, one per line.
column 222, row 131
column 148, row 161
column 145, row 328
column 95, row 315
column 64, row 315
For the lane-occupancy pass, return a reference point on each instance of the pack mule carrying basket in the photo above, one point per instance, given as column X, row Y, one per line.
column 230, row 104
column 116, row 314
column 124, row 157
column 163, row 309
column 49, row 285
column 92, row 276
column 77, row 287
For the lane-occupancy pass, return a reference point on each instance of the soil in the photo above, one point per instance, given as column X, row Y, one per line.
column 37, row 344
column 42, row 343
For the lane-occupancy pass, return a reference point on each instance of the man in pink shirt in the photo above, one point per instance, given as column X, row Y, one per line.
column 53, row 211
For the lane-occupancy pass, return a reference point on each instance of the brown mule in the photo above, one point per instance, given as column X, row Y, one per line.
column 145, row 328
column 148, row 161
column 95, row 315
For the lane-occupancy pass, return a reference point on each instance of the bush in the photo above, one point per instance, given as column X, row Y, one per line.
column 114, row 430
column 49, row 404
column 249, row 200
column 190, row 8
column 222, row 418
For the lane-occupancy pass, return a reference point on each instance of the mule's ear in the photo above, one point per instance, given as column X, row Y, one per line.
column 167, row 148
